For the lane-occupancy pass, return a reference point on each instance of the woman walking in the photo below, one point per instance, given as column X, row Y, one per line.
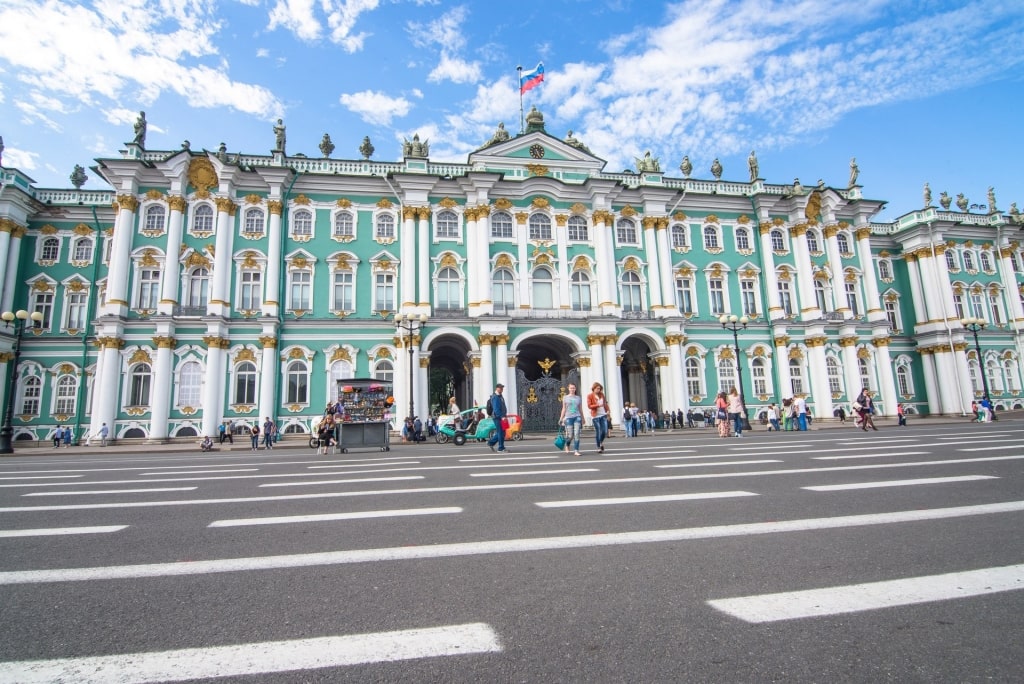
column 736, row 412
column 722, row 414
column 572, row 418
column 598, row 405
column 865, row 410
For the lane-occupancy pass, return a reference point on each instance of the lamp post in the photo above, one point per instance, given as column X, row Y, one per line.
column 973, row 325
column 735, row 324
column 18, row 320
column 411, row 325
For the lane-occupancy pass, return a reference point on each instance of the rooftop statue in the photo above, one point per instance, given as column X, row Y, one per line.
column 415, row 148
column 854, row 172
column 945, row 200
column 754, row 167
column 500, row 135
column 992, row 200
column 962, row 202
column 140, row 130
column 716, row 169
column 279, row 136
column 648, row 164
column 366, row 148
column 686, row 167
column 326, row 146
column 927, row 195
column 78, row 177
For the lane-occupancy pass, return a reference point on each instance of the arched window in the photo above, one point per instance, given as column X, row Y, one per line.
column 31, row 391
column 253, row 223
column 344, row 226
column 340, row 370
column 843, row 243
column 625, row 232
column 796, row 376
column 884, row 269
column 82, row 250
column 67, row 388
column 969, row 260
column 631, row 300
column 449, row 289
column 503, row 289
column 385, row 226
column 1012, row 377
column 864, row 369
column 835, row 376
column 972, row 371
column 759, row 374
column 245, row 383
column 302, row 222
column 50, row 250
column 154, row 219
column 995, row 375
column 778, row 241
column 580, row 291
column 742, row 239
column 384, row 371
column 198, row 288
column 694, row 380
column 904, row 380
column 202, row 219
column 986, row 261
column 542, row 290
column 577, row 229
column 447, row 224
column 710, row 237
column 812, row 241
column 190, row 384
column 297, row 383
column 951, row 263
column 679, row 240
column 540, row 227
column 501, row 225
column 139, row 379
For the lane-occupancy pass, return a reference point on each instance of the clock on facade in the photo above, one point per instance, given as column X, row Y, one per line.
column 536, row 151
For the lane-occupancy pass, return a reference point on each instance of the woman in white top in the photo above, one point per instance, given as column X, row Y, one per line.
column 572, row 418
column 736, row 411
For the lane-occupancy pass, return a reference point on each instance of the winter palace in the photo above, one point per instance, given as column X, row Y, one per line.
column 199, row 287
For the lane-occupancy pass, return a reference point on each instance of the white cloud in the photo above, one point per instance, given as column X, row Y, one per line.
column 296, row 16
column 20, row 159
column 340, row 16
column 376, row 107
column 455, row 70
column 449, row 35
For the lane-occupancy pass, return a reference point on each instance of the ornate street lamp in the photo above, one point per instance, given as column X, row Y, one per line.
column 18, row 320
column 973, row 325
column 735, row 324
column 411, row 325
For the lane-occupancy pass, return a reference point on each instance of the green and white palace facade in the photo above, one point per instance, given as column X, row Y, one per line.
column 203, row 287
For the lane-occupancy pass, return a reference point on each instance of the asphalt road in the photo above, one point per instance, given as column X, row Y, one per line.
column 827, row 556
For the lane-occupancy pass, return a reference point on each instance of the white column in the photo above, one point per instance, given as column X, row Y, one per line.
column 677, row 372
column 931, row 384
column 916, row 288
column 407, row 253
column 768, row 277
column 782, row 366
column 501, row 367
column 666, row 391
column 851, row 370
column 486, row 366
column 802, row 258
column 613, row 381
column 272, row 276
column 966, row 391
column 653, row 264
column 120, row 258
column 1011, row 294
column 597, row 371
column 945, row 368
column 269, row 370
column 11, row 276
column 820, row 392
column 483, row 255
column 564, row 266
column 163, row 381
column 213, row 388
column 171, row 272
column 474, row 282
column 886, row 381
column 664, row 250
column 6, row 227
column 835, row 259
column 220, row 298
column 604, row 254
column 867, row 267
column 480, row 389
column 944, row 285
column 107, row 389
column 423, row 269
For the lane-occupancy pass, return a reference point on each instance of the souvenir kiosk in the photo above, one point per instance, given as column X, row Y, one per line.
column 367, row 421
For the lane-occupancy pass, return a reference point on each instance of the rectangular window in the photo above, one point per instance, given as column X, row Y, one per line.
column 851, row 299
column 785, row 298
column 43, row 303
column 78, row 307
column 958, row 304
column 717, row 294
column 997, row 314
column 893, row 315
column 384, row 292
column 977, row 307
column 149, row 288
column 252, row 291
column 693, row 384
column 757, row 371
column 684, row 295
column 749, row 299
column 300, row 291
column 343, row 291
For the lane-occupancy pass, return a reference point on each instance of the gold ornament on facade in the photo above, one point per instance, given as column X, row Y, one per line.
column 850, row 276
column 245, row 354
column 48, row 230
column 580, row 263
column 679, row 216
column 692, row 351
column 862, row 233
column 711, row 218
column 817, row 341
column 578, row 209
column 296, row 353
column 164, row 342
column 542, row 259
column 628, row 211
column 302, row 200
column 881, row 341
column 796, row 354
column 546, row 365
column 782, row 341
column 631, row 264
column 142, row 410
column 294, row 408
column 503, row 261
column 81, row 229
column 268, row 341
column 716, row 270
column 726, row 354
column 201, row 174
column 537, row 169
column 243, row 408
column 195, row 259
column 684, row 271
column 154, row 194
column 502, row 203
column 448, row 203
column 863, row 353
column 42, row 286
column 384, row 203
column 127, row 203
column 344, row 203
column 531, row 396
column 140, row 356
column 448, row 260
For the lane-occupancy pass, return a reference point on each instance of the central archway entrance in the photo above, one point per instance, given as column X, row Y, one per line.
column 450, row 373
column 544, row 368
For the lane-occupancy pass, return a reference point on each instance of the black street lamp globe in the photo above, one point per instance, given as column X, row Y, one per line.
column 411, row 325
column 735, row 324
column 18, row 320
column 973, row 325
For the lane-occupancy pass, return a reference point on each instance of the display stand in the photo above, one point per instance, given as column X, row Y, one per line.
column 366, row 424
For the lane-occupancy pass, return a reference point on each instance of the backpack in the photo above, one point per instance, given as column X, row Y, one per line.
column 489, row 409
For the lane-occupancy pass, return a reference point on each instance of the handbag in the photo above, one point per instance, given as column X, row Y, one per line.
column 722, row 415
column 560, row 439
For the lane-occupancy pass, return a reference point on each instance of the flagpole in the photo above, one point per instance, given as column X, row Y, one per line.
column 522, row 121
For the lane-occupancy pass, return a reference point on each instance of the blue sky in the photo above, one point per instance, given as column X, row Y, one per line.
column 916, row 90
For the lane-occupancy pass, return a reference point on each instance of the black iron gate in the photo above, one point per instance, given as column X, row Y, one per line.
column 540, row 400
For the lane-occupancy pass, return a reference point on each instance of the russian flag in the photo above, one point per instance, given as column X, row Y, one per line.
column 528, row 79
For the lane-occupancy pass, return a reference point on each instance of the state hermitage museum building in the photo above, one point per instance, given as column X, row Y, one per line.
column 204, row 286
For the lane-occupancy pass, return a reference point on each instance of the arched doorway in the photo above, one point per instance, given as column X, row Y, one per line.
column 639, row 374
column 544, row 368
column 450, row 373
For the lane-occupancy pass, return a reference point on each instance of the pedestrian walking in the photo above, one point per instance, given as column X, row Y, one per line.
column 254, row 437
column 865, row 408
column 269, row 431
column 598, row 405
column 572, row 418
column 68, row 433
column 58, row 434
column 104, row 433
column 498, row 410
column 773, row 417
column 222, row 431
column 735, row 409
column 230, row 430
column 722, row 414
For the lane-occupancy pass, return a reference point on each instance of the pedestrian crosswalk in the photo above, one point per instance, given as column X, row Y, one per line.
column 442, row 489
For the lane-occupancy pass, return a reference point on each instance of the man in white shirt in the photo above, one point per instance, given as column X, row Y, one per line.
column 801, row 412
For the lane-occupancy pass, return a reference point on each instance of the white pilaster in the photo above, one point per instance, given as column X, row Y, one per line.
column 272, row 283
column 613, row 383
column 420, row 263
column 407, row 253
column 171, row 275
column 886, row 380
column 768, row 277
column 867, row 267
column 120, row 258
column 653, row 263
column 213, row 388
column 270, row 368
column 220, row 297
column 163, row 382
column 805, row 282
